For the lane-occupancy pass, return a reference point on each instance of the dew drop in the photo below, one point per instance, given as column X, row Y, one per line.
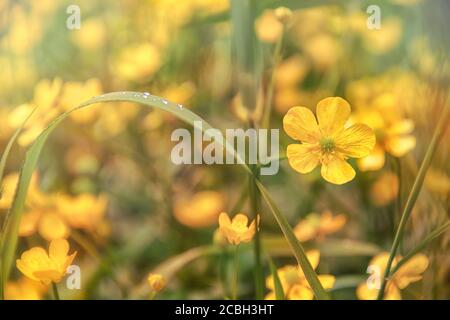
column 164, row 101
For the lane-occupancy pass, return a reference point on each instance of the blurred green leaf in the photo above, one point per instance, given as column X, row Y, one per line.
column 279, row 292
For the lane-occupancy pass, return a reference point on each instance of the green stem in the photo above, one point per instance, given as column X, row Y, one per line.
column 296, row 246
column 55, row 291
column 268, row 101
column 234, row 289
column 254, row 207
column 440, row 128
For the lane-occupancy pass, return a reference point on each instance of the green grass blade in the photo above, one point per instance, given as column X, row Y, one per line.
column 10, row 144
column 279, row 292
column 2, row 172
column 422, row 245
column 296, row 247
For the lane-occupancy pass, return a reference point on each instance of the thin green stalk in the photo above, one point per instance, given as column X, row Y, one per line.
column 440, row 128
column 269, row 97
column 433, row 235
column 278, row 288
column 55, row 291
column 297, row 248
column 254, row 208
column 240, row 201
column 234, row 289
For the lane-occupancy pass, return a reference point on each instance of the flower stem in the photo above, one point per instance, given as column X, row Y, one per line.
column 440, row 128
column 254, row 207
column 55, row 292
column 269, row 97
column 235, row 281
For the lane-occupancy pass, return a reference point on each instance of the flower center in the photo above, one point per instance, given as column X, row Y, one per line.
column 327, row 144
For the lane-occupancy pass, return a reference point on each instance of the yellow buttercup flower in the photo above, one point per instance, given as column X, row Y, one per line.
column 268, row 27
column 237, row 230
column 156, row 282
column 393, row 135
column 84, row 211
column 326, row 142
column 200, row 210
column 37, row 265
column 24, row 289
column 408, row 273
column 319, row 225
column 294, row 283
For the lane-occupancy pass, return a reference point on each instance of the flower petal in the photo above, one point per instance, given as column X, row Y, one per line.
column 411, row 271
column 299, row 292
column 327, row 280
column 398, row 146
column 300, row 124
column 240, row 220
column 356, row 141
column 302, row 157
column 332, row 113
column 374, row 161
column 224, row 220
column 58, row 250
column 337, row 171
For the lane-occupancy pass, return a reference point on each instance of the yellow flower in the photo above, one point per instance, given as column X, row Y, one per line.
column 236, row 230
column 385, row 189
column 84, row 211
column 74, row 93
column 138, row 62
column 294, row 283
column 327, row 142
column 200, row 210
column 156, row 282
column 408, row 273
column 91, row 36
column 37, row 265
column 268, row 27
column 393, row 134
column 46, row 96
column 24, row 289
column 317, row 226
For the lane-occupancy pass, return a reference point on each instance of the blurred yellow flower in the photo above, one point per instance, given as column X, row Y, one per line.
column 46, row 97
column 327, row 142
column 237, row 230
column 291, row 71
column 324, row 50
column 37, row 265
column 200, row 210
column 393, row 136
column 408, row 273
column 438, row 182
column 294, row 283
column 317, row 226
column 74, row 93
column 138, row 62
column 156, row 282
column 24, row 289
column 34, row 196
column 91, row 36
column 385, row 189
column 268, row 27
column 84, row 211
column 383, row 40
